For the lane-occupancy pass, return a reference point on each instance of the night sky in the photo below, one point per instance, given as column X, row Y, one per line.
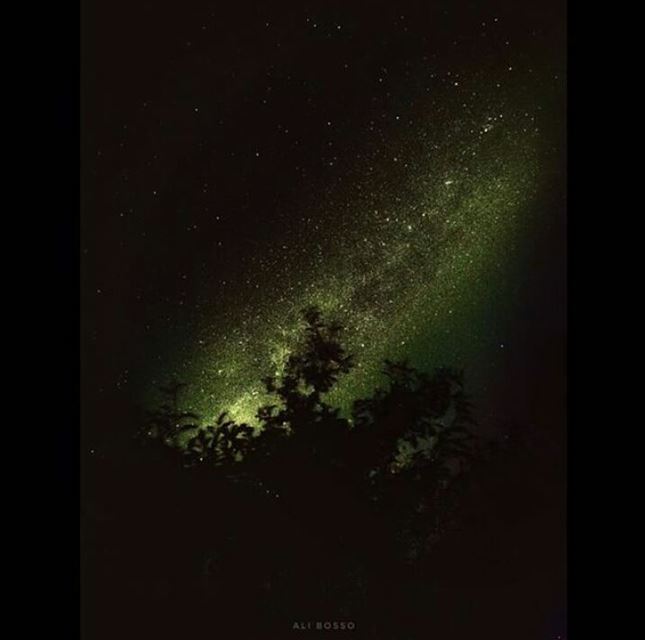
column 401, row 165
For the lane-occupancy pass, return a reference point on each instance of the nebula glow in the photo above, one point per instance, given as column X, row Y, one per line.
column 413, row 251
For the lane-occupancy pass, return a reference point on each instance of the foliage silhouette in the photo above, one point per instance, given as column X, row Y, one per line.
column 390, row 468
column 167, row 422
column 315, row 513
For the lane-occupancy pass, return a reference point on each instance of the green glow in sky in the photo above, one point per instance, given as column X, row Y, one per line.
column 413, row 252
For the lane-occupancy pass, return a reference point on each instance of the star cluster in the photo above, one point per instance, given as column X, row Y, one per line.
column 410, row 251
column 388, row 167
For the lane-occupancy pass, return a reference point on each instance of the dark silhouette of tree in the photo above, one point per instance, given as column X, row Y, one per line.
column 429, row 414
column 309, row 373
column 316, row 511
column 388, row 473
column 223, row 443
column 168, row 421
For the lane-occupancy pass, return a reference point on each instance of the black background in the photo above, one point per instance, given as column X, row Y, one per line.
column 135, row 53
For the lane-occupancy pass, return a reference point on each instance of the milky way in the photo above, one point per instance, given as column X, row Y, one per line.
column 413, row 249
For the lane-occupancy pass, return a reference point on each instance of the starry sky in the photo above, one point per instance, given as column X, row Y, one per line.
column 401, row 167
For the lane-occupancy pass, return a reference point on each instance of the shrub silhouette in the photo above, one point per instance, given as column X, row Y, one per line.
column 387, row 472
column 369, row 517
column 167, row 422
